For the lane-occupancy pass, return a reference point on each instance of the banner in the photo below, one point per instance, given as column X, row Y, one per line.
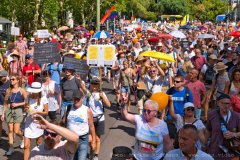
column 104, row 18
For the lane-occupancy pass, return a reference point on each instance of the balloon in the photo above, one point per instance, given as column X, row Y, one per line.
column 139, row 35
column 135, row 40
column 161, row 99
column 91, row 32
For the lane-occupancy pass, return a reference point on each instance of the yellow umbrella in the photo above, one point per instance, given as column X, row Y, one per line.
column 158, row 55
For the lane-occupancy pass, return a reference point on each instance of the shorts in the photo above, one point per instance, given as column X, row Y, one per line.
column 52, row 115
column 99, row 127
column 115, row 74
column 14, row 115
column 125, row 89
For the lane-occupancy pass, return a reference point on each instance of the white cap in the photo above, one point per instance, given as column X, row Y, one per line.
column 160, row 44
column 188, row 104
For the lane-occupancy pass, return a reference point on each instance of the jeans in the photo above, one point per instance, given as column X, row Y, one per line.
column 82, row 151
column 64, row 107
column 198, row 113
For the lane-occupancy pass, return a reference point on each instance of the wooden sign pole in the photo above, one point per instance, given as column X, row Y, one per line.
column 100, row 76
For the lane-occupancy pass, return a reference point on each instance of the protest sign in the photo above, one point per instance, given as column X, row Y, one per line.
column 80, row 66
column 144, row 26
column 15, row 31
column 101, row 55
column 43, row 33
column 46, row 53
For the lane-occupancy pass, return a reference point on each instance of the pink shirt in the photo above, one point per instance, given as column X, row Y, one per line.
column 197, row 89
column 22, row 46
column 198, row 62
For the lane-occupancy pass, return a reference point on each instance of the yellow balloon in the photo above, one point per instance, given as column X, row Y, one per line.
column 91, row 32
column 161, row 99
column 139, row 35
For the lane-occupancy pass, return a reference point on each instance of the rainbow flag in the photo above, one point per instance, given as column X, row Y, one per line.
column 114, row 14
column 104, row 18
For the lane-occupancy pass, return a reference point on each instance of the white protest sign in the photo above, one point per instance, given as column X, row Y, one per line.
column 15, row 31
column 42, row 33
column 144, row 26
column 101, row 55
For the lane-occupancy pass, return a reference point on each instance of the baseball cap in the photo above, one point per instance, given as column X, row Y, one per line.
column 188, row 104
column 223, row 96
column 77, row 94
column 28, row 56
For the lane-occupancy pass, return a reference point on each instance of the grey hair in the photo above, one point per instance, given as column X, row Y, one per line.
column 151, row 103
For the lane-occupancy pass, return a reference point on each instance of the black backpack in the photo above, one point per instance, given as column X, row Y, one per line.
column 209, row 74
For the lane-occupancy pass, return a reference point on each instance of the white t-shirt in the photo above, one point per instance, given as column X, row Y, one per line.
column 157, row 85
column 58, row 153
column 30, row 128
column 198, row 124
column 95, row 104
column 149, row 141
column 77, row 120
column 52, row 100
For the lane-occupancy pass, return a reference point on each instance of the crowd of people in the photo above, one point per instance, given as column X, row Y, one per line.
column 201, row 120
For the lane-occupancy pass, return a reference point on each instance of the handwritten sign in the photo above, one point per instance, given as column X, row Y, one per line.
column 43, row 33
column 15, row 31
column 46, row 53
column 80, row 66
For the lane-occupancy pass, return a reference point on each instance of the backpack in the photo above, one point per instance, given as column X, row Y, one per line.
column 57, row 69
column 209, row 74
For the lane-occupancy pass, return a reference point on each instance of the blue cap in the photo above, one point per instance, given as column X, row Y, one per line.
column 28, row 56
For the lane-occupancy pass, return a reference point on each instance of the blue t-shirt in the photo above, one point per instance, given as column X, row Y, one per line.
column 55, row 69
column 179, row 99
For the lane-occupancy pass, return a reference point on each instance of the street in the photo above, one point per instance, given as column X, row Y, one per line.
column 117, row 132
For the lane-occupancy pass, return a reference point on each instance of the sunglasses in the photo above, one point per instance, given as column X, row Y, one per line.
column 13, row 79
column 190, row 109
column 148, row 111
column 152, row 71
column 46, row 133
column 177, row 81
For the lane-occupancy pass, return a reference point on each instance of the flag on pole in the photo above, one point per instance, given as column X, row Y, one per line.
column 114, row 14
column 104, row 18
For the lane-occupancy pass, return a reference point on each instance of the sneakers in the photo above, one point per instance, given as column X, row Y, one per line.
column 10, row 152
column 95, row 158
column 22, row 144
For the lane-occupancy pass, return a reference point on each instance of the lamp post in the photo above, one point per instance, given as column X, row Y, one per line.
column 98, row 15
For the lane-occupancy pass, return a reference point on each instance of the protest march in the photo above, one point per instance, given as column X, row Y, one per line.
column 182, row 81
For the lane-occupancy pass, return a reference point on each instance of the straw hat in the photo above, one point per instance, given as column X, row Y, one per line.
column 71, row 52
column 213, row 56
column 220, row 66
column 35, row 87
column 139, row 58
column 15, row 53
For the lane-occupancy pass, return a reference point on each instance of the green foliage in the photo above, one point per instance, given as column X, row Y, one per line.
column 53, row 12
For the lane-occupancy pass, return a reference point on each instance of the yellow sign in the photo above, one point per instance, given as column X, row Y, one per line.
column 93, row 52
column 108, row 53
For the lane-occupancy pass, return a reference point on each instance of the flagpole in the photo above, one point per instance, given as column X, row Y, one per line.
column 113, row 25
column 107, row 25
column 98, row 15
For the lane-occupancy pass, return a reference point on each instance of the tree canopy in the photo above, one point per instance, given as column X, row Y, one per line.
column 29, row 14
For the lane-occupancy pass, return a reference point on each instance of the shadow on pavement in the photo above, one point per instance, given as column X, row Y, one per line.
column 130, row 131
column 17, row 155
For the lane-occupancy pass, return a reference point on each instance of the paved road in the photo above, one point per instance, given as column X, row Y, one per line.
column 117, row 132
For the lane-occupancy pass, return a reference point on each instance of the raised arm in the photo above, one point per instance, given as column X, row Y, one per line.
column 71, row 137
column 171, row 109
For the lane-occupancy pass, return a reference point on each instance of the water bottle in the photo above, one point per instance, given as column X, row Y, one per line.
column 223, row 128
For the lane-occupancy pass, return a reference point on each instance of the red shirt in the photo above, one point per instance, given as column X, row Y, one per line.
column 30, row 67
column 198, row 62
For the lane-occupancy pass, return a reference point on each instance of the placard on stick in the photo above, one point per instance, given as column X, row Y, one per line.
column 80, row 66
column 43, row 33
column 46, row 53
column 15, row 31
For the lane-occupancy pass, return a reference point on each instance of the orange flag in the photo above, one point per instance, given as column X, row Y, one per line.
column 107, row 14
